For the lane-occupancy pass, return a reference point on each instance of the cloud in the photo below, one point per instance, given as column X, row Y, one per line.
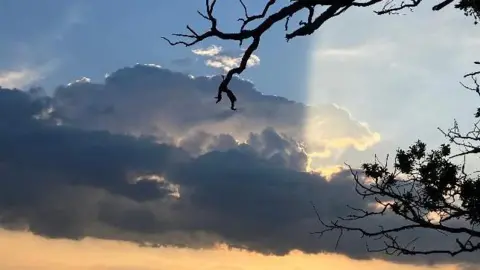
column 26, row 75
column 98, row 184
column 81, row 80
column 144, row 100
column 225, row 60
column 18, row 78
column 209, row 51
column 147, row 157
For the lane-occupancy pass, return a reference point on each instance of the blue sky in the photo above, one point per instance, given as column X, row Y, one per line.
column 68, row 39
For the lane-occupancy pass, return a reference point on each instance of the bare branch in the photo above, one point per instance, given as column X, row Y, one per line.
column 473, row 74
column 266, row 19
column 389, row 8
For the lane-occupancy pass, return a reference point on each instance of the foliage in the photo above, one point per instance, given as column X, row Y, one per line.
column 426, row 189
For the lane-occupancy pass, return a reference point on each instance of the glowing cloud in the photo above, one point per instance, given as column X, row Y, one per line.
column 18, row 78
column 81, row 80
column 333, row 134
column 209, row 51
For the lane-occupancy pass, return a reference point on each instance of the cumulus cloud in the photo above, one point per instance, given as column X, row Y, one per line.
column 147, row 157
column 172, row 107
column 225, row 60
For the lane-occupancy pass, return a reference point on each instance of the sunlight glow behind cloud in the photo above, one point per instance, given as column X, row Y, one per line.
column 388, row 72
column 18, row 78
column 332, row 133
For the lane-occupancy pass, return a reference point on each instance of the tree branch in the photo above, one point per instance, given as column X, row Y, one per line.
column 421, row 183
column 267, row 19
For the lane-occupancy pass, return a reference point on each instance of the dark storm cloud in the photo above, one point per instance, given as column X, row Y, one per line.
column 64, row 182
column 83, row 178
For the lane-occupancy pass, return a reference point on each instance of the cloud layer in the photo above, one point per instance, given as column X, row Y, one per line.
column 147, row 157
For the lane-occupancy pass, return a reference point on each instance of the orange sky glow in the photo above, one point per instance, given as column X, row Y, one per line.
column 24, row 251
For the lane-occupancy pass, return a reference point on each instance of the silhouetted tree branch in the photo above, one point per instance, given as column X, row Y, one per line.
column 427, row 190
column 267, row 18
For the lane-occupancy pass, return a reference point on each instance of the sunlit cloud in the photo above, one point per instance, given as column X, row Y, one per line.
column 18, row 78
column 332, row 133
column 209, row 51
column 27, row 75
column 327, row 171
column 218, row 58
column 227, row 62
column 151, row 65
column 81, row 80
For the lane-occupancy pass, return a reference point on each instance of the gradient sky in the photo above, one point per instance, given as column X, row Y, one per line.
column 66, row 40
column 404, row 62
column 395, row 79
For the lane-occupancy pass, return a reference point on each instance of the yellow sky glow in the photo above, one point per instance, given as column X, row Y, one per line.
column 24, row 251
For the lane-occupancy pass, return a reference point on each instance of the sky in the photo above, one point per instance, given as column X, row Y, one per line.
column 126, row 150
